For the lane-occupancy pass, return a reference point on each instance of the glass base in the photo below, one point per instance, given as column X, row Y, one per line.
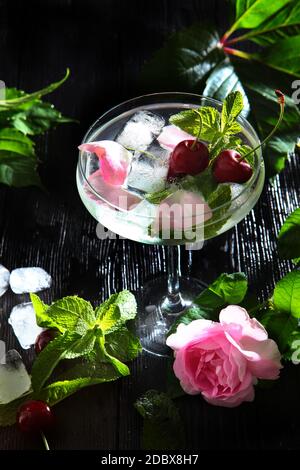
column 157, row 311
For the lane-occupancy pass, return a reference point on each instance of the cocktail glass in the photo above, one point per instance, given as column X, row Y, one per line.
column 161, row 300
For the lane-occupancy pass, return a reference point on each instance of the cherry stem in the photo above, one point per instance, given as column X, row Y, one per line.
column 45, row 441
column 280, row 99
column 199, row 132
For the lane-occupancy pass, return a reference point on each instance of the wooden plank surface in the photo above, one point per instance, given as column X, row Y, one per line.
column 105, row 43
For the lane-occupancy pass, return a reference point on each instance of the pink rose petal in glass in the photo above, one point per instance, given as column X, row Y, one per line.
column 116, row 196
column 114, row 160
column 171, row 136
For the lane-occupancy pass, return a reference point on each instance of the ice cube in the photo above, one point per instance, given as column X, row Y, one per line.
column 23, row 321
column 14, row 378
column 24, row 280
column 4, row 279
column 149, row 170
column 141, row 130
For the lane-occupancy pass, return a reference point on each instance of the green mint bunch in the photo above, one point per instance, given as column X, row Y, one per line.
column 93, row 343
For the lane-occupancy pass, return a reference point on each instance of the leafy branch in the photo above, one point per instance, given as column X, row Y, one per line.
column 23, row 115
column 199, row 60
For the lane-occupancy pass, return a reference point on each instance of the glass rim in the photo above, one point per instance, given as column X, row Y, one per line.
column 242, row 120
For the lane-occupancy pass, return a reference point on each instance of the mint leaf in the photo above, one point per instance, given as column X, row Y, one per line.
column 232, row 107
column 230, row 288
column 12, row 140
column 287, row 294
column 226, row 289
column 40, row 309
column 66, row 346
column 204, row 183
column 84, row 375
column 219, row 201
column 123, row 345
column 190, row 121
column 70, row 314
column 158, row 196
column 281, row 327
column 116, row 311
column 289, row 236
column 163, row 428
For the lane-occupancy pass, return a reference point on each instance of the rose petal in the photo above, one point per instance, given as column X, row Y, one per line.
column 235, row 315
column 179, row 368
column 234, row 400
column 171, row 136
column 114, row 160
column 186, row 333
column 114, row 195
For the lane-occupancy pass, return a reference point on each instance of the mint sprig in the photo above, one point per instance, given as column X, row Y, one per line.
column 94, row 343
column 23, row 115
column 217, row 128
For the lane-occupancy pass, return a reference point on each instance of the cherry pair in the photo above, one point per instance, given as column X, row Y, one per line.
column 191, row 157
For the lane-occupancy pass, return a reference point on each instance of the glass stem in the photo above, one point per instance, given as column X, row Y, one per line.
column 173, row 304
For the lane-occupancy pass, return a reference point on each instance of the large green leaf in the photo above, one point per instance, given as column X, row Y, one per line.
column 186, row 60
column 289, row 236
column 17, row 170
column 224, row 80
column 281, row 326
column 283, row 55
column 252, row 13
column 284, row 23
column 287, row 294
column 38, row 118
column 12, row 140
column 226, row 289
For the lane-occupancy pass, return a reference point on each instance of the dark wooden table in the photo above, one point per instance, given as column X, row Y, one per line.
column 105, row 43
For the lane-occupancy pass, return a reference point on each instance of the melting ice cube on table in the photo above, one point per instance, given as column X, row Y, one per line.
column 24, row 280
column 141, row 130
column 14, row 378
column 23, row 321
column 4, row 279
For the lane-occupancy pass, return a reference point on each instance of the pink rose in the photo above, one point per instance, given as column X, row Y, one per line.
column 223, row 361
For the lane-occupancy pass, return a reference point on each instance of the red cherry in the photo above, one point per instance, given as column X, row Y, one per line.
column 43, row 339
column 228, row 169
column 189, row 157
column 34, row 416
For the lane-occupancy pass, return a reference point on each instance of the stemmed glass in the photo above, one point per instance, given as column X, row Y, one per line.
column 161, row 300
